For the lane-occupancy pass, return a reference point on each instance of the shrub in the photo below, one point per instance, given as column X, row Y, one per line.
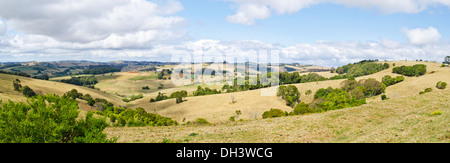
column 160, row 97
column 383, row 97
column 290, row 94
column 358, row 92
column 308, row 92
column 16, row 84
column 205, row 91
column 28, row 92
column 273, row 113
column 322, row 92
column 441, row 85
column 373, row 86
column 437, row 113
column 179, row 95
column 49, row 119
column 416, row 70
column 201, row 121
column 145, row 88
column 388, row 80
column 302, row 108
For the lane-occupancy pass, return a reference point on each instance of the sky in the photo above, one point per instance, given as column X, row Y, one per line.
column 321, row 32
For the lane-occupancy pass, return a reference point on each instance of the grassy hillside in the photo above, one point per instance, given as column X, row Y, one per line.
column 217, row 108
column 46, row 87
column 404, row 119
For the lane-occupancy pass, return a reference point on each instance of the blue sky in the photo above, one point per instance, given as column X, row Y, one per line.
column 328, row 22
column 325, row 32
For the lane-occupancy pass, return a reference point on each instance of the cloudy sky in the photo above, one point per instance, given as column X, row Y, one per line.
column 324, row 32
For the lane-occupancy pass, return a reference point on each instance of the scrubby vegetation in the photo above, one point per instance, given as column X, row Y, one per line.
column 88, row 81
column 416, row 70
column 133, row 118
column 426, row 91
column 365, row 67
column 160, row 97
column 133, row 97
column 272, row 113
column 177, row 95
column 388, row 80
column 441, row 85
column 100, row 70
column 49, row 119
column 290, row 94
column 26, row 91
column 295, row 77
column 201, row 121
column 205, row 91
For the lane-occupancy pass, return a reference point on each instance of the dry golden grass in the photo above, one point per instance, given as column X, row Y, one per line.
column 48, row 87
column 217, row 108
column 405, row 119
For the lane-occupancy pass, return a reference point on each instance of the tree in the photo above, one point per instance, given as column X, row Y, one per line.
column 373, row 86
column 179, row 96
column 17, row 85
column 302, row 108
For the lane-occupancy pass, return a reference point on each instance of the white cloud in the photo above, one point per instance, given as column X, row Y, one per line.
column 87, row 21
column 2, row 28
column 44, row 48
column 248, row 17
column 421, row 36
column 248, row 12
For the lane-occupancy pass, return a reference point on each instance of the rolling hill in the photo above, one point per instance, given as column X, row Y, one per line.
column 405, row 117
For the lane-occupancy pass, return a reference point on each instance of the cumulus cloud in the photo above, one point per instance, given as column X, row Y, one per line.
column 43, row 48
column 422, row 36
column 87, row 21
column 2, row 28
column 247, row 16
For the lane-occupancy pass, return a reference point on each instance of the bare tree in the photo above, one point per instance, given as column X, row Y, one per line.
column 232, row 97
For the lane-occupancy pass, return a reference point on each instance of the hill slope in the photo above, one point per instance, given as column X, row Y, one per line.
column 217, row 108
column 45, row 87
column 404, row 119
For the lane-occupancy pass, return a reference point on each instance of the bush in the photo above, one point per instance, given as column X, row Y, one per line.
column 373, row 87
column 88, row 81
column 201, row 121
column 205, row 91
column 361, row 68
column 179, row 96
column 49, row 119
column 308, row 92
column 322, row 93
column 388, row 80
column 302, row 108
column 441, row 85
column 28, row 92
column 16, row 84
column 290, row 94
column 416, row 70
column 383, row 97
column 273, row 113
column 145, row 88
